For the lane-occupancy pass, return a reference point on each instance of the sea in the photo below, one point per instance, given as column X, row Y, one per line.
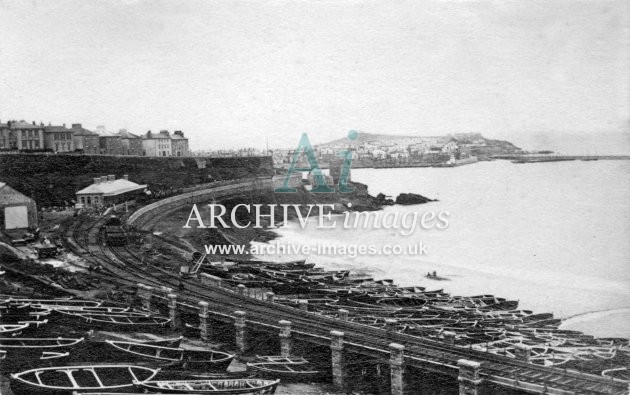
column 554, row 236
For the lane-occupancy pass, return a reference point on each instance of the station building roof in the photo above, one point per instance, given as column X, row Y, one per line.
column 111, row 187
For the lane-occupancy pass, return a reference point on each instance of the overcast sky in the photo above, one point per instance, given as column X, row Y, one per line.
column 233, row 73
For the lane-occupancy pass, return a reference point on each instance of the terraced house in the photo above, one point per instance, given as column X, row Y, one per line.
column 58, row 138
column 131, row 144
column 85, row 141
column 21, row 135
column 179, row 143
column 157, row 144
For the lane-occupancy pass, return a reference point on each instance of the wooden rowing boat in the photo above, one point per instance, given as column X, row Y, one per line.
column 66, row 379
column 196, row 360
column 288, row 368
column 51, row 302
column 622, row 373
column 88, row 309
column 47, row 343
column 12, row 329
column 33, row 349
column 172, row 342
column 225, row 386
column 119, row 322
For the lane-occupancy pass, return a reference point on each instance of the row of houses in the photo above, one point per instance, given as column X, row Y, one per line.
column 24, row 136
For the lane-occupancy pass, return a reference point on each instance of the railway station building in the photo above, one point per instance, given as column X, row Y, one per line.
column 107, row 190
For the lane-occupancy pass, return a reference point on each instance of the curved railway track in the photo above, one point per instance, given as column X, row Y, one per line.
column 124, row 266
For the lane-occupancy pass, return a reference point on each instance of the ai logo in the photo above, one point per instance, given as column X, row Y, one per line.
column 305, row 146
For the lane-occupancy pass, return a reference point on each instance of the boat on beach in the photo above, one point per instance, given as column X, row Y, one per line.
column 193, row 360
column 12, row 329
column 129, row 321
column 172, row 342
column 20, row 351
column 286, row 368
column 225, row 386
column 35, row 343
column 69, row 379
column 59, row 303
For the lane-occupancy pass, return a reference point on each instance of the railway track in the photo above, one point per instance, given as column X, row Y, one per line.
column 127, row 267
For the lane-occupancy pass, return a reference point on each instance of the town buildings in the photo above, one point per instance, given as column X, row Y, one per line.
column 36, row 137
column 85, row 141
column 20, row 135
column 157, row 144
column 179, row 144
column 58, row 138
column 131, row 144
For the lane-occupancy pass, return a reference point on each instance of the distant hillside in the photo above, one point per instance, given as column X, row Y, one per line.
column 461, row 138
column 367, row 138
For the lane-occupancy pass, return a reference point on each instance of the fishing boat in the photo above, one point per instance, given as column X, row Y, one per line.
column 617, row 373
column 196, row 360
column 87, row 309
column 280, row 358
column 36, row 358
column 225, row 386
column 9, row 313
column 24, row 344
column 52, row 302
column 68, row 379
column 288, row 368
column 121, row 322
column 21, row 350
column 172, row 342
column 12, row 329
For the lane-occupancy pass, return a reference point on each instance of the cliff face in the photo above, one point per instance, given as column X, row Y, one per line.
column 53, row 179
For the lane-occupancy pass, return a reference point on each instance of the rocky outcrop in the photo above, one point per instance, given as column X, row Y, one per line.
column 411, row 198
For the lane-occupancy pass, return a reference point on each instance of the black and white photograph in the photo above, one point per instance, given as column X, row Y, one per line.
column 318, row 197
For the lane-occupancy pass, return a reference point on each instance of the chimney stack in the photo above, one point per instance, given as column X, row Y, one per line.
column 103, row 178
column 76, row 126
column 97, row 180
column 126, row 177
column 111, row 177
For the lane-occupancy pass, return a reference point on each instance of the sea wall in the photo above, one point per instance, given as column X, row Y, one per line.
column 53, row 180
